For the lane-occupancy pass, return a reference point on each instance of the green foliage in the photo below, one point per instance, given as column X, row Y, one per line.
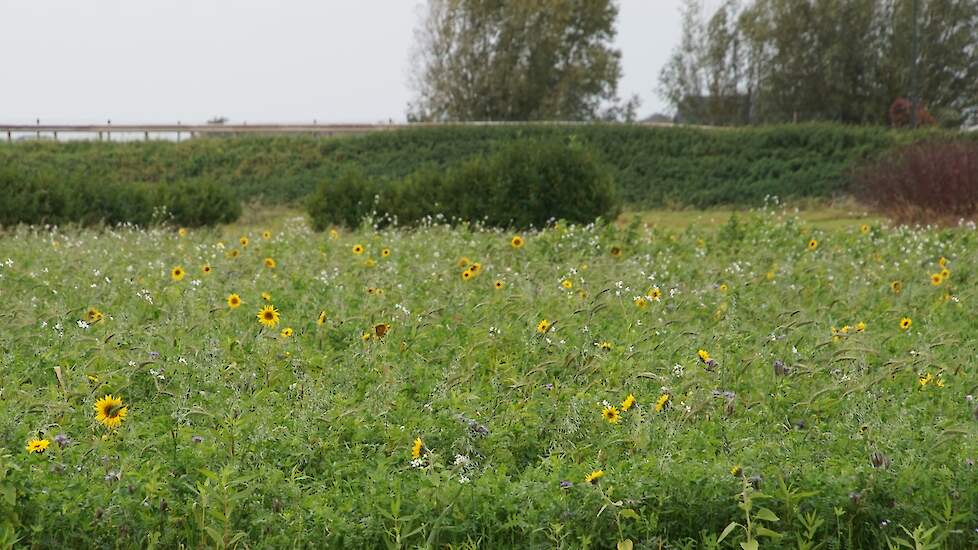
column 651, row 167
column 43, row 198
column 517, row 60
column 345, row 200
column 522, row 184
column 777, row 61
column 239, row 436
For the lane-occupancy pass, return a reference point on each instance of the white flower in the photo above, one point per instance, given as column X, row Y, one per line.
column 82, row 324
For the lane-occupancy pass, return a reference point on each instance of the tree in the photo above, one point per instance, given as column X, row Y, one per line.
column 517, row 60
column 838, row 60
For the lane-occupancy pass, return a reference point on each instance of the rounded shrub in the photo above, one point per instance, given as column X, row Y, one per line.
column 525, row 183
column 195, row 203
column 344, row 199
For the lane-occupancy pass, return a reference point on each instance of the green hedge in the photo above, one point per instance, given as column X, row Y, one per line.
column 652, row 166
column 42, row 197
column 525, row 183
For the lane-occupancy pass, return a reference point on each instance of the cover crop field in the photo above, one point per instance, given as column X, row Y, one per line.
column 762, row 384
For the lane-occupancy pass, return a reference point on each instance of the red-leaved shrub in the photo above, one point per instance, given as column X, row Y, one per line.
column 922, row 183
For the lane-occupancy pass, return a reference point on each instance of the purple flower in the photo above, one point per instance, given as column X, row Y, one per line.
column 197, row 439
column 62, row 440
column 566, row 484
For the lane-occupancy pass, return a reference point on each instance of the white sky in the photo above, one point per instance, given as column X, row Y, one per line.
column 77, row 61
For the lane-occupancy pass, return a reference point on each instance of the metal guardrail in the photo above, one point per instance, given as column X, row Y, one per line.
column 105, row 131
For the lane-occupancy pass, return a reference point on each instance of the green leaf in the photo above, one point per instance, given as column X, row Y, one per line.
column 765, row 532
column 749, row 545
column 726, row 530
column 766, row 514
column 625, row 544
column 629, row 513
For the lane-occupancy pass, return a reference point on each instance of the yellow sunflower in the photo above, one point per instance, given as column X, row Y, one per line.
column 244, row 242
column 467, row 275
column 286, row 332
column 182, row 232
column 703, row 355
column 896, row 286
column 662, row 402
column 268, row 316
column 517, row 242
column 594, row 476
column 321, row 320
column 234, row 301
column 543, row 326
column 905, row 323
column 864, row 229
column 267, row 296
column 860, row 327
column 110, row 411
column 475, row 267
column 416, row 448
column 567, row 283
column 93, row 315
column 498, row 285
column 736, row 470
column 177, row 273
column 611, row 414
column 358, row 249
column 641, row 302
column 628, row 403
column 655, row 293
column 206, row 270
column 463, row 261
column 270, row 263
column 37, row 446
column 385, row 252
column 266, row 234
column 234, row 253
column 936, row 279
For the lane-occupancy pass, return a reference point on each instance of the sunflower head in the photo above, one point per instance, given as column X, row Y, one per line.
column 860, row 327
column 93, row 315
column 182, row 232
column 286, row 332
column 270, row 263
column 936, row 279
column 641, row 302
column 385, row 252
column 723, row 287
column 543, row 326
column 517, row 241
column 615, row 251
column 475, row 267
column 812, row 244
column 594, row 476
column 864, row 229
column 605, row 346
column 896, row 286
column 358, row 249
column 267, row 296
column 662, row 402
column 467, row 275
column 463, row 262
column 628, row 403
column 655, row 293
column 37, row 445
column 703, row 355
column 206, row 270
column 110, row 411
column 177, row 273
column 567, row 283
column 266, row 234
column 905, row 323
column 611, row 414
column 321, row 320
column 498, row 285
column 268, row 316
column 736, row 470
column 234, row 301
column 244, row 242
column 416, row 448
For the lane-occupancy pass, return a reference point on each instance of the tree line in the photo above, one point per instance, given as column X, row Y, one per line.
column 747, row 62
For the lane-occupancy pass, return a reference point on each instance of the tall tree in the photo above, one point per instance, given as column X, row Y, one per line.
column 517, row 60
column 842, row 60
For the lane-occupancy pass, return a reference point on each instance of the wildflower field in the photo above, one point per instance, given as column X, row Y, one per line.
column 763, row 384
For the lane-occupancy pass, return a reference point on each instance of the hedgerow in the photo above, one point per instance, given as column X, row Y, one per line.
column 652, row 166
column 42, row 197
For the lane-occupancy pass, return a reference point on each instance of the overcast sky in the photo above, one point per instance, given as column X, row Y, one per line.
column 135, row 61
